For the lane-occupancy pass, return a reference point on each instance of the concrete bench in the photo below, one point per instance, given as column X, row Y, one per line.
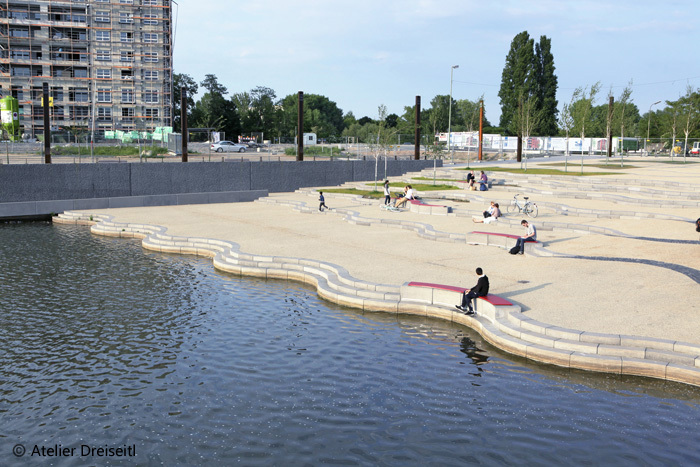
column 501, row 240
column 490, row 306
column 423, row 208
column 418, row 206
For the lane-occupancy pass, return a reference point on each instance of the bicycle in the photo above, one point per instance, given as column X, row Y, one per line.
column 528, row 208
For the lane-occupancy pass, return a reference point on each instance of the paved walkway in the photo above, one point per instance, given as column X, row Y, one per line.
column 638, row 277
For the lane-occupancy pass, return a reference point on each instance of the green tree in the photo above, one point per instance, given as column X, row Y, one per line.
column 545, row 88
column 517, row 78
column 214, row 111
column 566, row 123
column 257, row 111
column 181, row 80
column 689, row 115
column 211, row 84
column 320, row 114
column 466, row 116
column 439, row 112
column 349, row 119
column 583, row 99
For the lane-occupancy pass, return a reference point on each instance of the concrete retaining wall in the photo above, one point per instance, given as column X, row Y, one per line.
column 24, row 189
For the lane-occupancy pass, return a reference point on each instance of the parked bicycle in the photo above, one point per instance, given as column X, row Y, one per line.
column 527, row 207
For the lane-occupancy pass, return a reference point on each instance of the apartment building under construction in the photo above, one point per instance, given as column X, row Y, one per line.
column 111, row 59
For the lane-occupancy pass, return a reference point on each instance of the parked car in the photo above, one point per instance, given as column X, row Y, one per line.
column 696, row 148
column 228, row 146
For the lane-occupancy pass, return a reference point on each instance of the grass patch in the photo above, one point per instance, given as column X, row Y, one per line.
column 675, row 161
column 421, row 186
column 355, row 191
column 430, row 179
column 573, row 172
column 613, row 164
column 106, row 151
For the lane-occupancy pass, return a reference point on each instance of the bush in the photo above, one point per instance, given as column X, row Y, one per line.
column 314, row 151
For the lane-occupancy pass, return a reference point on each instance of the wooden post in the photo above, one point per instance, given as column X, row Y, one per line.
column 183, row 122
column 300, row 125
column 609, row 135
column 47, row 125
column 416, row 152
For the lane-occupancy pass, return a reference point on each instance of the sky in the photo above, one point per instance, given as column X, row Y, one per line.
column 364, row 53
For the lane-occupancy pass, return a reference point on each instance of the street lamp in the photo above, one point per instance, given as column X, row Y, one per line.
column 649, row 127
column 449, row 118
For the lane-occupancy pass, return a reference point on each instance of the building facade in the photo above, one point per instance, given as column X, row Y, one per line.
column 108, row 63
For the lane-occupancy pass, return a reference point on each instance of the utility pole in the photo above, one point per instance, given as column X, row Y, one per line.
column 449, row 119
column 481, row 128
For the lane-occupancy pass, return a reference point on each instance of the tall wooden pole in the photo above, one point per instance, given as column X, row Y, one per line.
column 47, row 125
column 183, row 122
column 609, row 135
column 300, row 125
column 416, row 151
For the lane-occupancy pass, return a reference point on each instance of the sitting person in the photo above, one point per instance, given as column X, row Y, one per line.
column 409, row 195
column 481, row 289
column 494, row 212
column 530, row 236
column 470, row 178
column 483, row 181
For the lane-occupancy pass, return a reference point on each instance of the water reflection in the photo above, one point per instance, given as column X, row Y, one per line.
column 105, row 342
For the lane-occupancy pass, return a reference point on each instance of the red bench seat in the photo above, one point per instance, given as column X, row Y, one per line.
column 492, row 299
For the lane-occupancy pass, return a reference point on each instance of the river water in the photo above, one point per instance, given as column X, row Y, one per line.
column 105, row 344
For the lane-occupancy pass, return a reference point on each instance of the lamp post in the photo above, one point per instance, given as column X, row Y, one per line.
column 449, row 117
column 649, row 127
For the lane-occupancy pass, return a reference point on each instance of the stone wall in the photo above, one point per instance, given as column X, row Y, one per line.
column 35, row 184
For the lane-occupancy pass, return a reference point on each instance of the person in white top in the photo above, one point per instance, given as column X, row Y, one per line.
column 490, row 215
column 409, row 195
column 530, row 236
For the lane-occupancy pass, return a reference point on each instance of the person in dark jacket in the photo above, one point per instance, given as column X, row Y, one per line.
column 481, row 289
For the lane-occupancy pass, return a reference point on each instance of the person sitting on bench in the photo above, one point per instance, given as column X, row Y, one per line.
column 408, row 196
column 481, row 289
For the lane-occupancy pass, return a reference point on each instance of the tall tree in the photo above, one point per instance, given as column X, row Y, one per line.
column 320, row 113
column 566, row 123
column 623, row 101
column 545, row 88
column 584, row 98
column 517, row 78
column 689, row 115
column 466, row 116
column 439, row 111
column 181, row 80
column 211, row 84
column 214, row 111
column 256, row 110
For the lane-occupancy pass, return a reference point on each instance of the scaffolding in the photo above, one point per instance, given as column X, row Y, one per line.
column 108, row 63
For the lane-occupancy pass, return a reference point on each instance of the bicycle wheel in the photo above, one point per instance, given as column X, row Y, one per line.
column 512, row 207
column 531, row 210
